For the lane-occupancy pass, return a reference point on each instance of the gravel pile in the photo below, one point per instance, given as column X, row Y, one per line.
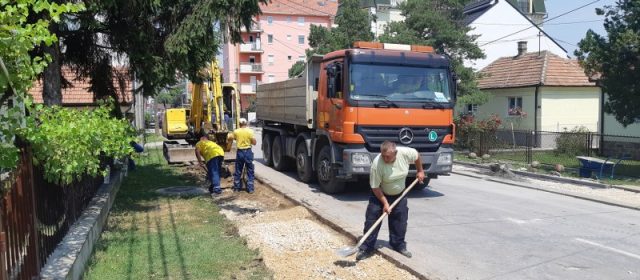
column 290, row 235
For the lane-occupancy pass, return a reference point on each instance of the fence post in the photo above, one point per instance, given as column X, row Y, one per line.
column 588, row 136
column 529, row 147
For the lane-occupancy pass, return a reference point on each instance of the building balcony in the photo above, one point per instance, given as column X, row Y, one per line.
column 248, row 88
column 254, row 47
column 255, row 27
column 251, row 68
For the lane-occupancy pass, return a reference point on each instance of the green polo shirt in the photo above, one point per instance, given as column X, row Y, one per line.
column 392, row 177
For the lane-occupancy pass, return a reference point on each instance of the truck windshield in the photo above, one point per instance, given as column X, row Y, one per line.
column 398, row 83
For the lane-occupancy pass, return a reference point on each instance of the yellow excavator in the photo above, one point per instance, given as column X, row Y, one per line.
column 204, row 115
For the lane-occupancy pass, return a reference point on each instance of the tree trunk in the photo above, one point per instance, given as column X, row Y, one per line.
column 51, row 81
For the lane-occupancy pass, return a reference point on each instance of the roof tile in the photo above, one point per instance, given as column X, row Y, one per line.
column 533, row 69
column 78, row 92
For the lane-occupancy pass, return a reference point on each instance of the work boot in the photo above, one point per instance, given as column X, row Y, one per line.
column 363, row 254
column 404, row 252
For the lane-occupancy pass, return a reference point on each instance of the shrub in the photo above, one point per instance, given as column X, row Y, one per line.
column 572, row 142
column 475, row 134
column 70, row 143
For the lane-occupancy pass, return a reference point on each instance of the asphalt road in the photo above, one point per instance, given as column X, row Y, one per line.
column 467, row 228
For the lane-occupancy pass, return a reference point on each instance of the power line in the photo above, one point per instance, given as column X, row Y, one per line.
column 563, row 14
column 282, row 43
column 559, row 23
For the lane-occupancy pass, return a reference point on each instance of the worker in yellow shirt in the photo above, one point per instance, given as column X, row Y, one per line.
column 213, row 156
column 244, row 157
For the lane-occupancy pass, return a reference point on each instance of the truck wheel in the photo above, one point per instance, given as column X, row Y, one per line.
column 418, row 186
column 303, row 163
column 326, row 175
column 280, row 161
column 267, row 142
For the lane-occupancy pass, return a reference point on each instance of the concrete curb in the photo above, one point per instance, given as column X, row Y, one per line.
column 555, row 178
column 71, row 256
column 584, row 197
column 384, row 252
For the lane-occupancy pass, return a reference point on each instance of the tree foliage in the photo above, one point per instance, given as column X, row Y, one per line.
column 438, row 23
column 296, row 69
column 353, row 25
column 616, row 59
column 155, row 39
column 169, row 96
column 18, row 38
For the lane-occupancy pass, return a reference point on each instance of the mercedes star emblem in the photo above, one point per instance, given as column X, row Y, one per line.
column 405, row 136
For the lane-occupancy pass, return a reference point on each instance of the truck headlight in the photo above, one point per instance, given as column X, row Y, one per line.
column 360, row 159
column 444, row 159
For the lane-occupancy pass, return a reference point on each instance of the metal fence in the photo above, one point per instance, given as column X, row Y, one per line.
column 552, row 148
column 35, row 216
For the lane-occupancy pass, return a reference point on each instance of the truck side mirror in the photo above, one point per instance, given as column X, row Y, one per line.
column 331, row 70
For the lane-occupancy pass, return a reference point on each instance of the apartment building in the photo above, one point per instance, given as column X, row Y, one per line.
column 277, row 39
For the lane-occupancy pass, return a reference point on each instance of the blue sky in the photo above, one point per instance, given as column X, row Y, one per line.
column 565, row 29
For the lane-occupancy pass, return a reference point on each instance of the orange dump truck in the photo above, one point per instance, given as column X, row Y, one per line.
column 330, row 122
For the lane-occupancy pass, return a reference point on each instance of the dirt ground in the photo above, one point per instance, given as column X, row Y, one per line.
column 294, row 244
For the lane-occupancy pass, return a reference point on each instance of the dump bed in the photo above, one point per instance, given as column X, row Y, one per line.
column 291, row 101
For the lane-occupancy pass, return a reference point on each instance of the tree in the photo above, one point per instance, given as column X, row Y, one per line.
column 18, row 67
column 169, row 96
column 155, row 39
column 296, row 69
column 616, row 59
column 354, row 24
column 439, row 24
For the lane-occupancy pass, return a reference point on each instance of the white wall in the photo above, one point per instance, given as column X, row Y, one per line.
column 569, row 107
column 499, row 21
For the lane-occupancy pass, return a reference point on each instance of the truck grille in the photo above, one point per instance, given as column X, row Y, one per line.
column 375, row 135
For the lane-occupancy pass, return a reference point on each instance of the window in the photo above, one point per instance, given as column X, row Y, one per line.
column 289, row 57
column 272, row 78
column 301, row 58
column 288, row 37
column 289, row 19
column 334, row 85
column 301, row 39
column 515, row 106
column 270, row 38
column 270, row 59
column 301, row 21
column 472, row 109
column 270, row 20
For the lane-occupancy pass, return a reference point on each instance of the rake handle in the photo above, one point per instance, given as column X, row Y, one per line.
column 384, row 214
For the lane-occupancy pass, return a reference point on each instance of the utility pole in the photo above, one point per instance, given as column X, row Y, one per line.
column 138, row 105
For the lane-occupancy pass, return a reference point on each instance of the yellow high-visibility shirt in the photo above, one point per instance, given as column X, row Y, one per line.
column 243, row 137
column 209, row 149
column 391, row 177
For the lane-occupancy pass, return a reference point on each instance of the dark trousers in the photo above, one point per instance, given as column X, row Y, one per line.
column 397, row 222
column 244, row 159
column 213, row 167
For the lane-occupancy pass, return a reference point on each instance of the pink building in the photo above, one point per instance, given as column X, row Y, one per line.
column 277, row 40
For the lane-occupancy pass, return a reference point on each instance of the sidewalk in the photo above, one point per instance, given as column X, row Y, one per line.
column 627, row 196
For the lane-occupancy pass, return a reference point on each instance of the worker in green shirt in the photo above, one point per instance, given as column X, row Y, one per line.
column 389, row 171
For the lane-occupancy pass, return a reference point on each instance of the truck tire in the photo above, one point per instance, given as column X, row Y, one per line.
column 327, row 175
column 418, row 186
column 267, row 143
column 280, row 160
column 303, row 163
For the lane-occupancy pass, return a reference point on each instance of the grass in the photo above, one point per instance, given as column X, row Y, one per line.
column 152, row 137
column 148, row 236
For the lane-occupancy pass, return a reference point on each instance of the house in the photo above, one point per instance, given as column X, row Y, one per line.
column 617, row 140
column 500, row 23
column 383, row 12
column 539, row 91
column 277, row 39
column 77, row 94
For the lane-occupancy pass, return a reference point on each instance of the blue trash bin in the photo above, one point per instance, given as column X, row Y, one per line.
column 585, row 172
